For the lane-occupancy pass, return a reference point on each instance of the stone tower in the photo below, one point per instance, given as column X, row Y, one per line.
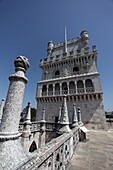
column 70, row 70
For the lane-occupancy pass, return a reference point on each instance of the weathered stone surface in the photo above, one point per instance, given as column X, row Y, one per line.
column 72, row 73
column 95, row 153
column 11, row 151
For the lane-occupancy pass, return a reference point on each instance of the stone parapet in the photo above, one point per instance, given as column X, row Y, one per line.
column 56, row 153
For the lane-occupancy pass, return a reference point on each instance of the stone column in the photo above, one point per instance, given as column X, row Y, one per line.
column 47, row 90
column 26, row 129
column 68, row 87
column 60, row 89
column 53, row 89
column 84, row 86
column 9, row 134
column 1, row 109
column 76, row 87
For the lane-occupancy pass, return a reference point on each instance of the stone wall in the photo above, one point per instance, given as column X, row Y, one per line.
column 92, row 110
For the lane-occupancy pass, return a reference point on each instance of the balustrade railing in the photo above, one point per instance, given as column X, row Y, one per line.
column 50, row 93
column 35, row 126
column 71, row 91
column 44, row 93
column 61, row 147
column 64, row 91
column 89, row 89
column 57, row 92
column 80, row 90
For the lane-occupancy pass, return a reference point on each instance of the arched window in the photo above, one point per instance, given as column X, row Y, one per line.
column 33, row 147
column 89, row 86
column 57, row 89
column 75, row 70
column 80, row 86
column 72, row 89
column 44, row 90
column 64, row 88
column 57, row 73
column 50, row 90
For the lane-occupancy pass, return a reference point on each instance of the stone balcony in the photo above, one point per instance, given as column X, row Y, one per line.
column 68, row 92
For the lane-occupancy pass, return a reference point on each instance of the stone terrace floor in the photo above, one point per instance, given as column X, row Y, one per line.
column 96, row 153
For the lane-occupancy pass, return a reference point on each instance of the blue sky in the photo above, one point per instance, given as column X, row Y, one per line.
column 26, row 26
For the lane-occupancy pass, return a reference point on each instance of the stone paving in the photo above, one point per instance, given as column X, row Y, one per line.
column 96, row 153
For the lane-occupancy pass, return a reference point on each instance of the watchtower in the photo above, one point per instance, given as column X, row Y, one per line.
column 70, row 69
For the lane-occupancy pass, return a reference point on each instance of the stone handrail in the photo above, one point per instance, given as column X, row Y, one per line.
column 35, row 126
column 54, row 155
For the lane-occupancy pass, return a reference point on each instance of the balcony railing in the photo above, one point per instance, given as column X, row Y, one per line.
column 50, row 93
column 64, row 91
column 89, row 89
column 80, row 90
column 71, row 91
column 44, row 93
column 57, row 92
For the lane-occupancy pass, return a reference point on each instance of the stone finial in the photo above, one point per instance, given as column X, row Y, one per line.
column 28, row 114
column 75, row 118
column 59, row 115
column 27, row 123
column 64, row 113
column 21, row 63
column 79, row 116
column 64, row 120
column 42, row 122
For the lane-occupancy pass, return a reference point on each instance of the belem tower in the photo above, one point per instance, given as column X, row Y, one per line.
column 69, row 102
column 70, row 70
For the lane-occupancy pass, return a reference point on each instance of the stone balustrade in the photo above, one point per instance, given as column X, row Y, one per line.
column 35, row 126
column 54, row 155
column 71, row 91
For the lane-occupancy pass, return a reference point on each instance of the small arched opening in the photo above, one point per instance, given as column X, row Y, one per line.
column 50, row 90
column 33, row 147
column 57, row 73
column 72, row 89
column 89, row 86
column 64, row 88
column 75, row 70
column 80, row 86
column 57, row 89
column 44, row 90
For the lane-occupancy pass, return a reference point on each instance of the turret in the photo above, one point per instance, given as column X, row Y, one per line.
column 84, row 37
column 50, row 47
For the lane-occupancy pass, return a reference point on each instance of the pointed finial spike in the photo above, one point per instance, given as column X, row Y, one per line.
column 65, row 40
